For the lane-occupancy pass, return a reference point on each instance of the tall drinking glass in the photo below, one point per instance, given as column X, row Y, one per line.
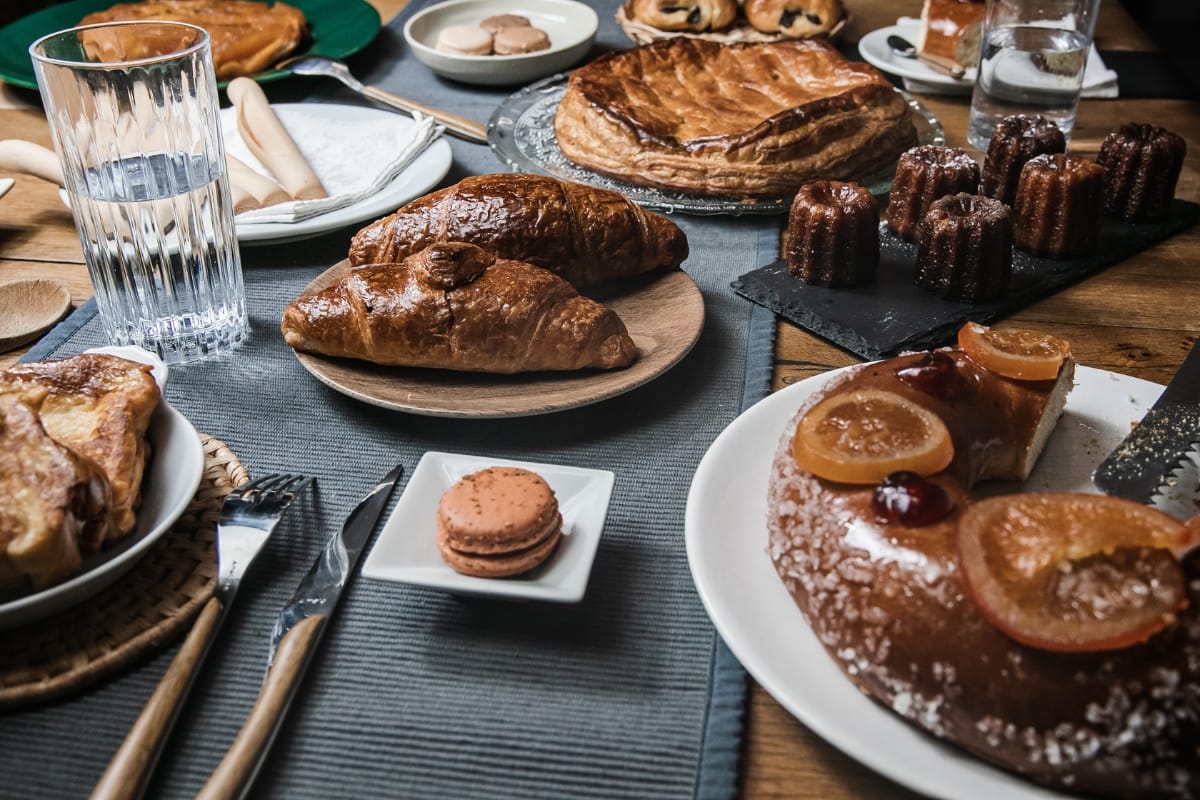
column 1031, row 61
column 133, row 112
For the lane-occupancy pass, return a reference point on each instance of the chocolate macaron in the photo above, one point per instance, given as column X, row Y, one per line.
column 498, row 522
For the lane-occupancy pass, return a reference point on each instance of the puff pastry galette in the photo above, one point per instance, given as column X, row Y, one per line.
column 742, row 120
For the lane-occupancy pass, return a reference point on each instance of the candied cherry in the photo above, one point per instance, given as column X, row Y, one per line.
column 906, row 498
column 861, row 436
column 1073, row 572
column 935, row 374
column 1021, row 354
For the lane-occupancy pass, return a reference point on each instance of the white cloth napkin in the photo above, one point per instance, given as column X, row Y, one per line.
column 1098, row 80
column 353, row 160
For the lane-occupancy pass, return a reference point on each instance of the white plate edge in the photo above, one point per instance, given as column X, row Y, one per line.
column 986, row 781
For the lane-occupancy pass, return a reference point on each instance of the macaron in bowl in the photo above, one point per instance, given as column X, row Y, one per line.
column 569, row 25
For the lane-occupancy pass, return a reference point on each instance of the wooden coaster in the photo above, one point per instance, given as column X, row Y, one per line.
column 140, row 613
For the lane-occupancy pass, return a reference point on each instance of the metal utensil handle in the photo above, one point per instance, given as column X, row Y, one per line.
column 465, row 128
column 129, row 771
column 234, row 775
column 942, row 65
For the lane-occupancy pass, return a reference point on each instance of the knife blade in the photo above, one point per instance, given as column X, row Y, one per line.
column 1155, row 448
column 297, row 632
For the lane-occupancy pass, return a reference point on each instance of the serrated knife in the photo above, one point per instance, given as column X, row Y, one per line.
column 1156, row 447
column 297, row 632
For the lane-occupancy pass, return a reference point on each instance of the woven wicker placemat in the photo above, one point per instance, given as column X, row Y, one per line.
column 154, row 601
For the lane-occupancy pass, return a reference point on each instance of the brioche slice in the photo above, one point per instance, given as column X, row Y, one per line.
column 53, row 503
column 99, row 406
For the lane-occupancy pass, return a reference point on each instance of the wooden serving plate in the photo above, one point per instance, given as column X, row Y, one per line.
column 664, row 316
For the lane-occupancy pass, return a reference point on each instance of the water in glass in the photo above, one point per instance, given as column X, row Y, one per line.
column 1027, row 69
column 161, row 253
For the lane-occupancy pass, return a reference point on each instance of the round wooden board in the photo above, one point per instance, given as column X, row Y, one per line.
column 664, row 317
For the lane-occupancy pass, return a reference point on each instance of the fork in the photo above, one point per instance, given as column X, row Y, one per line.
column 462, row 127
column 248, row 515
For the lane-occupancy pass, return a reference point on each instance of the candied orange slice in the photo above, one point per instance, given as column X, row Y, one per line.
column 1073, row 572
column 1021, row 354
column 862, row 436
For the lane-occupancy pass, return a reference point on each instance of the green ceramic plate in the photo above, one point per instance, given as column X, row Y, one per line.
column 338, row 27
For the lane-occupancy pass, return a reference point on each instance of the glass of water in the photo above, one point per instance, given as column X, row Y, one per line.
column 133, row 111
column 1031, row 61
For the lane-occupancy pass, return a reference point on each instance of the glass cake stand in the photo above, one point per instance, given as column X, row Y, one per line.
column 521, row 133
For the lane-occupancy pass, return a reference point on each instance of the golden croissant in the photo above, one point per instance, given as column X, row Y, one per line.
column 584, row 234
column 456, row 306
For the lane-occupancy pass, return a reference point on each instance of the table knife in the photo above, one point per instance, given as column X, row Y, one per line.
column 297, row 632
column 1143, row 463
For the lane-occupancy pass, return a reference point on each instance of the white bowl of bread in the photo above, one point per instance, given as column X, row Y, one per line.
column 483, row 58
column 97, row 467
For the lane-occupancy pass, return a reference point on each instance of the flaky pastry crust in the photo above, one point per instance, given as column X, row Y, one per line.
column 743, row 120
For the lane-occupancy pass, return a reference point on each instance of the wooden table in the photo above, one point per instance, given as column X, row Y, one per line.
column 1138, row 317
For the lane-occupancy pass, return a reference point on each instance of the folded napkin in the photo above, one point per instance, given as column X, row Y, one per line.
column 1098, row 80
column 354, row 160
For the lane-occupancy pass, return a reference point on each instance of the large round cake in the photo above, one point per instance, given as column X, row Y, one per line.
column 892, row 590
column 741, row 120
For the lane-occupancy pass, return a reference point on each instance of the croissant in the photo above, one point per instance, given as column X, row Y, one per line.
column 798, row 19
column 456, row 306
column 586, row 235
column 684, row 15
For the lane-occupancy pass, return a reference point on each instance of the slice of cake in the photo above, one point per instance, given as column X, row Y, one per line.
column 951, row 31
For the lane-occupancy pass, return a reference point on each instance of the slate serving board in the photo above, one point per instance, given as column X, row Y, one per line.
column 894, row 314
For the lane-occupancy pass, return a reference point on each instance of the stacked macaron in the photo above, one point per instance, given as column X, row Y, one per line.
column 502, row 35
column 498, row 522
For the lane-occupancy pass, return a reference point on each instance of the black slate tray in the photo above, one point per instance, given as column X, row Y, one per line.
column 894, row 314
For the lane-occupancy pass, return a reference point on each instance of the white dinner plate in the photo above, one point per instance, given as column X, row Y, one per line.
column 726, row 536
column 172, row 477
column 875, row 51
column 407, row 552
column 418, row 178
column 5, row 185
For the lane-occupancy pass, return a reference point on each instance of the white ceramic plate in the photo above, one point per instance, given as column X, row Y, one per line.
column 875, row 51
column 406, row 551
column 726, row 537
column 172, row 476
column 5, row 185
column 571, row 27
column 419, row 177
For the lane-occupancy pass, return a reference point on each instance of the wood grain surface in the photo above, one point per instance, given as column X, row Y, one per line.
column 661, row 339
column 1138, row 317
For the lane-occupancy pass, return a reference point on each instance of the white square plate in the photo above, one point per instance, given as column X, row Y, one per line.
column 406, row 550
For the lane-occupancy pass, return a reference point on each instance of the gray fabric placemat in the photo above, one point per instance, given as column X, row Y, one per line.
column 417, row 693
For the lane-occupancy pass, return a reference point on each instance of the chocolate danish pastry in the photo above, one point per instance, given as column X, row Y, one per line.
column 684, row 15
column 796, row 18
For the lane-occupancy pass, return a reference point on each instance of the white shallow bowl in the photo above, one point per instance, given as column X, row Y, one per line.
column 171, row 480
column 571, row 27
